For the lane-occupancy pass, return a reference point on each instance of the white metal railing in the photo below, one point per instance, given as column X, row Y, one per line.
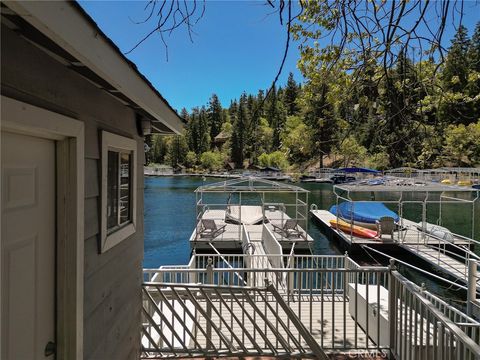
column 211, row 320
column 341, row 307
column 419, row 330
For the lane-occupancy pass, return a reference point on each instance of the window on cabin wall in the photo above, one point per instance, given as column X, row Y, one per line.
column 118, row 189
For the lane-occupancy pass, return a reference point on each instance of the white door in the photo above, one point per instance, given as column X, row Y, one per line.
column 27, row 246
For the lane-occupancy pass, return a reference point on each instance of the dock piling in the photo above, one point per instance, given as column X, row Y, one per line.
column 472, row 285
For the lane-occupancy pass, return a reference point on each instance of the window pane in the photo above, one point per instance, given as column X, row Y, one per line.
column 125, row 187
column 112, row 189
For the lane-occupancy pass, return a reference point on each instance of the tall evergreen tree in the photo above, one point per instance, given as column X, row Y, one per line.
column 177, row 151
column 276, row 116
column 474, row 50
column 238, row 132
column 215, row 116
column 400, row 133
column 320, row 119
column 455, row 72
column 291, row 94
column 203, row 131
column 191, row 132
column 260, row 103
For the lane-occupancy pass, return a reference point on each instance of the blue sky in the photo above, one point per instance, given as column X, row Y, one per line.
column 236, row 47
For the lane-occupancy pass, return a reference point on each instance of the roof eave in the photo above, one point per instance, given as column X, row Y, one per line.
column 66, row 23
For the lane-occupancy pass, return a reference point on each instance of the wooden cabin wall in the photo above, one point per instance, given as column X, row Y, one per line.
column 112, row 300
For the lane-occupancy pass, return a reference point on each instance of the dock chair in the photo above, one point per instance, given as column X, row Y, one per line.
column 385, row 226
column 209, row 229
column 289, row 229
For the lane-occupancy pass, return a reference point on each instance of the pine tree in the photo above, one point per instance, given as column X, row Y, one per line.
column 320, row 119
column 184, row 114
column 474, row 50
column 455, row 73
column 238, row 132
column 291, row 94
column 215, row 116
column 177, row 151
column 192, row 130
column 203, row 131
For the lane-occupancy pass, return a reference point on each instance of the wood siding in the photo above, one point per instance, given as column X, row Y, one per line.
column 112, row 301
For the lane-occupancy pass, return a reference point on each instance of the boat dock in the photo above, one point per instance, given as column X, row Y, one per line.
column 408, row 234
column 250, row 217
column 230, row 238
column 448, row 257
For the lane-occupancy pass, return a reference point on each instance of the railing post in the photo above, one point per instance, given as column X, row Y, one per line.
column 440, row 340
column 392, row 307
column 209, row 271
column 347, row 276
column 208, row 305
column 472, row 285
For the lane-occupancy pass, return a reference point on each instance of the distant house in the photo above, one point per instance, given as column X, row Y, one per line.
column 221, row 138
column 154, row 170
column 74, row 112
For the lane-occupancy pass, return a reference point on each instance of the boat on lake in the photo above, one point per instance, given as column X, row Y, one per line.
column 356, row 230
column 363, row 213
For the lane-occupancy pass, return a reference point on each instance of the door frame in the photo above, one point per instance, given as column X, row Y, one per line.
column 69, row 134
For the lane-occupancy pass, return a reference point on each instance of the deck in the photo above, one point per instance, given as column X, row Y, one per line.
column 230, row 239
column 330, row 323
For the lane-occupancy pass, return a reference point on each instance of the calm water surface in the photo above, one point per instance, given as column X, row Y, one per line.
column 170, row 219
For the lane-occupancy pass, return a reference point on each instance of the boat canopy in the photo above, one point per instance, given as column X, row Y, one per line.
column 358, row 170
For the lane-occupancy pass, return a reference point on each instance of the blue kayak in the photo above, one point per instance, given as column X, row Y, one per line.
column 365, row 212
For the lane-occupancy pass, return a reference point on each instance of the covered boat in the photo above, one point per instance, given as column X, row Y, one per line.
column 363, row 213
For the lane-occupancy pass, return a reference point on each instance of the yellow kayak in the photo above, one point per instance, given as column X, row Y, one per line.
column 356, row 230
column 446, row 182
column 465, row 183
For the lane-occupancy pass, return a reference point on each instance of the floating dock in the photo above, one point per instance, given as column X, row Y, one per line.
column 234, row 215
column 410, row 234
column 231, row 237
column 437, row 253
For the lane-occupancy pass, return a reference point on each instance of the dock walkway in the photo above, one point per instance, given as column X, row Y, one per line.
column 410, row 234
column 412, row 240
column 437, row 259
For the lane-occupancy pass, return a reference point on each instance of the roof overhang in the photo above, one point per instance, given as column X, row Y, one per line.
column 94, row 55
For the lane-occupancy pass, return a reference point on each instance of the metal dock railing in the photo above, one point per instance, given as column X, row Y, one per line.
column 329, row 305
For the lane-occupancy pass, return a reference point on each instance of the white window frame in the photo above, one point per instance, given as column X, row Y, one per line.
column 121, row 144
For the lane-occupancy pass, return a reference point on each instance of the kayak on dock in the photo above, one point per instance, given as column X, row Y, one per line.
column 356, row 230
column 363, row 213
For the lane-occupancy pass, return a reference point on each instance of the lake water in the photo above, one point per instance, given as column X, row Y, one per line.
column 170, row 219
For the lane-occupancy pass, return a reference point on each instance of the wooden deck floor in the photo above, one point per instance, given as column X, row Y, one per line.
column 331, row 324
column 230, row 238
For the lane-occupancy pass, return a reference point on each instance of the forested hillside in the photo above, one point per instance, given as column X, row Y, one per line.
column 421, row 113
